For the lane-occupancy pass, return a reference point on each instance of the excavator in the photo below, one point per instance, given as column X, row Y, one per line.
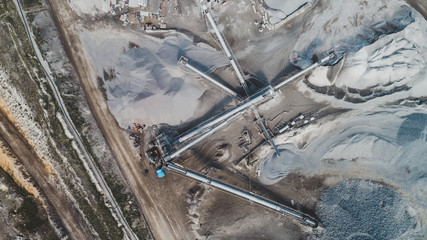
column 153, row 155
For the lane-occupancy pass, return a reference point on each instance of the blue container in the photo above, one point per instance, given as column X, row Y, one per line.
column 160, row 173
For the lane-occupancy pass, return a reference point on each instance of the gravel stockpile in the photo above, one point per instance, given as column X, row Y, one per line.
column 359, row 209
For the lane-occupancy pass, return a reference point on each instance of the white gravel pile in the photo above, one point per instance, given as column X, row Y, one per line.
column 348, row 26
column 149, row 85
column 390, row 69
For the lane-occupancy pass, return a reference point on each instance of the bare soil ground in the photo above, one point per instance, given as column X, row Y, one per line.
column 70, row 217
column 217, row 215
column 226, row 217
column 157, row 199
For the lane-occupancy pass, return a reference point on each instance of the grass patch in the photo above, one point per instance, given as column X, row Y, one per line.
column 29, row 213
column 29, row 3
column 32, row 218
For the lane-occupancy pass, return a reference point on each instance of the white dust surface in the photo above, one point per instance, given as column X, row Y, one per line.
column 90, row 7
column 390, row 69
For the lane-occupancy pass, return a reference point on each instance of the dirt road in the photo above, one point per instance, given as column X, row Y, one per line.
column 71, row 218
column 156, row 199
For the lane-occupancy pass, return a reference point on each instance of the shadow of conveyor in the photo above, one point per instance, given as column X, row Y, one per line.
column 205, row 163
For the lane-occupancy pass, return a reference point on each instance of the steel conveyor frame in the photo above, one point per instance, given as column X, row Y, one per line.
column 284, row 210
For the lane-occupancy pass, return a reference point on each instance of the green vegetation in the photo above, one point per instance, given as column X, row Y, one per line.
column 30, row 217
column 18, row 60
column 29, row 3
column 130, row 210
column 93, row 207
column 27, row 76
column 16, row 57
column 29, row 212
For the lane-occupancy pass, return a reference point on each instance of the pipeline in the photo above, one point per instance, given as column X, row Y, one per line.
column 265, row 130
column 226, row 48
column 207, row 77
column 178, row 152
column 323, row 61
column 284, row 210
column 254, row 101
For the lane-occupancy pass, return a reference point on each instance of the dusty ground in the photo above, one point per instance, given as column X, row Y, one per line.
column 158, row 206
column 164, row 201
column 225, row 217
